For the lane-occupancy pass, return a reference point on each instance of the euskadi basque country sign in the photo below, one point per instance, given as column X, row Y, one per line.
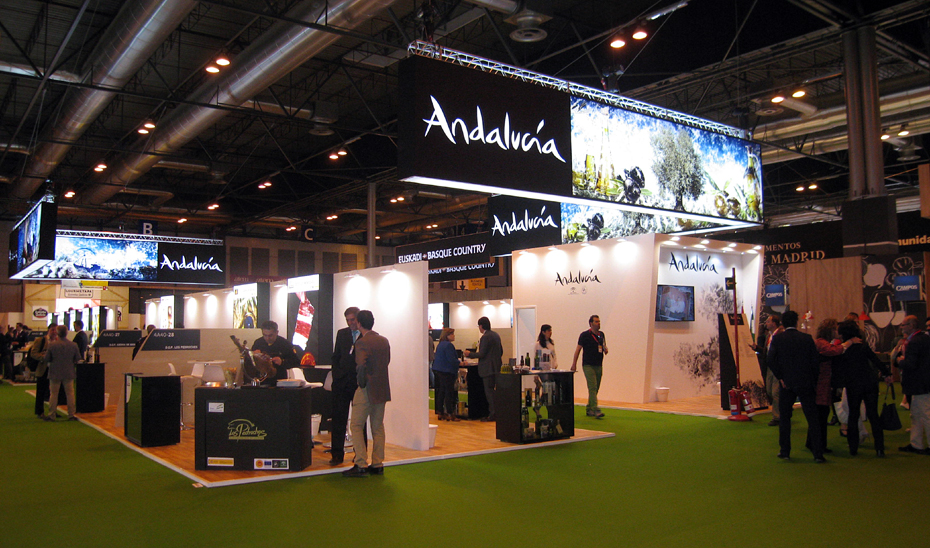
column 457, row 258
column 456, row 251
column 521, row 223
column 463, row 125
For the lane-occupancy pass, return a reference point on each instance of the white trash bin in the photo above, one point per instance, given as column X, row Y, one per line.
column 661, row 393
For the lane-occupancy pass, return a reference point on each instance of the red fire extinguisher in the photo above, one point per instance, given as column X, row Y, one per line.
column 734, row 401
column 746, row 400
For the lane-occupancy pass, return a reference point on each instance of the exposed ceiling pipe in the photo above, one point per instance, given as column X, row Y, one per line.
column 137, row 31
column 197, row 167
column 806, row 109
column 278, row 51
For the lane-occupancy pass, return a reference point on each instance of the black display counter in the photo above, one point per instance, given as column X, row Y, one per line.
column 152, row 413
column 252, row 428
column 89, row 387
column 541, row 413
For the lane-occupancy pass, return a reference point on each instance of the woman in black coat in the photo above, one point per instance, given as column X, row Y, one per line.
column 859, row 368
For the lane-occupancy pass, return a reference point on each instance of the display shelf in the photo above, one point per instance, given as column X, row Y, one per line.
column 535, row 406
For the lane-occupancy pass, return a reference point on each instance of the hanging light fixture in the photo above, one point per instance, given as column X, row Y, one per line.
column 100, row 167
column 617, row 42
column 778, row 98
column 904, row 131
column 640, row 32
column 885, row 134
column 69, row 193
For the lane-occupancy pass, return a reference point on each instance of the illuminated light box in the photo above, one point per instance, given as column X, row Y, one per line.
column 127, row 257
column 32, row 240
column 536, row 137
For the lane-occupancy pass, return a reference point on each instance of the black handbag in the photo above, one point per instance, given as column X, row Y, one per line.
column 889, row 417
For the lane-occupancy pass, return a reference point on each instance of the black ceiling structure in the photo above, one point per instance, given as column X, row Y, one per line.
column 79, row 78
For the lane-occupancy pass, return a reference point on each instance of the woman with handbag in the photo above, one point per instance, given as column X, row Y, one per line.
column 858, row 365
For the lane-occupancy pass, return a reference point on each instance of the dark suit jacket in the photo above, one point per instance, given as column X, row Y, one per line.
column 372, row 357
column 343, row 358
column 490, row 352
column 915, row 367
column 81, row 340
column 793, row 358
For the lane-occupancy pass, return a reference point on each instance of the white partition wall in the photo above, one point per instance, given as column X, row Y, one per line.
column 398, row 297
column 617, row 280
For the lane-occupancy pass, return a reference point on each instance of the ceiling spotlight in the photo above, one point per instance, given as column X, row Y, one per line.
column 69, row 193
column 904, row 132
column 149, row 124
column 341, row 152
column 800, row 188
column 393, row 200
column 332, row 217
column 731, row 244
column 290, row 228
column 640, row 33
column 182, row 220
column 213, row 69
column 222, row 61
column 885, row 135
column 143, row 131
column 675, row 238
column 266, row 184
column 211, row 207
column 400, row 198
column 778, row 98
column 377, row 237
column 100, row 167
column 812, row 186
column 333, row 156
column 799, row 93
column 617, row 42
column 705, row 242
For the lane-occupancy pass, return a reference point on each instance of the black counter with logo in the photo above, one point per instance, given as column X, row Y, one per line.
column 252, row 429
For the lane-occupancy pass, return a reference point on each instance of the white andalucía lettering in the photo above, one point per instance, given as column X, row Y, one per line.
column 525, row 224
column 193, row 264
column 505, row 138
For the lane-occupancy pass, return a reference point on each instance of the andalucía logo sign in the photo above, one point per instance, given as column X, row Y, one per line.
column 694, row 265
column 193, row 264
column 506, row 137
column 525, row 224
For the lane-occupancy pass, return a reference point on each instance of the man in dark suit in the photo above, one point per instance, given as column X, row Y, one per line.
column 490, row 351
column 344, row 383
column 80, row 338
column 372, row 357
column 794, row 361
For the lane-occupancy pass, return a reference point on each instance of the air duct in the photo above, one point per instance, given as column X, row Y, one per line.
column 137, row 31
column 278, row 51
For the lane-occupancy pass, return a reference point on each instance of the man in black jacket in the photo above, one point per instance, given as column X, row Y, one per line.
column 915, row 381
column 344, row 382
column 794, row 361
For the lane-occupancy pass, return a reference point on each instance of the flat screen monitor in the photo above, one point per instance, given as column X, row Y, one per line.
column 675, row 303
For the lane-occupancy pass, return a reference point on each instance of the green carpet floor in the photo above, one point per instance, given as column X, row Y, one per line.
column 664, row 480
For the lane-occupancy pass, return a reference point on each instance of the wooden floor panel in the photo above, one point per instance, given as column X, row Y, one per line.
column 453, row 440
